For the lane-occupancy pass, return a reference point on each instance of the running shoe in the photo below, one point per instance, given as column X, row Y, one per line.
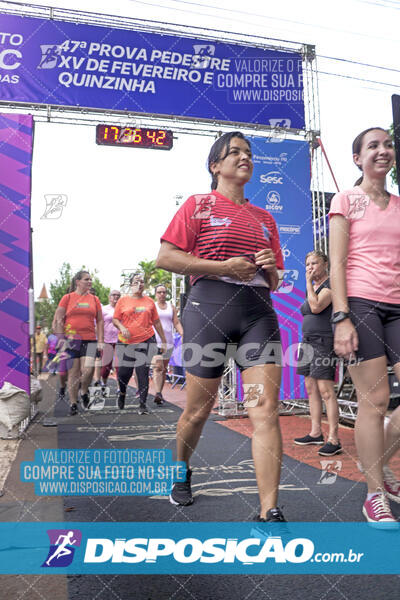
column 392, row 485
column 274, row 515
column 181, row 493
column 158, row 399
column 121, row 401
column 73, row 410
column 330, row 449
column 308, row 439
column 377, row 510
column 97, row 383
column 61, row 395
column 85, row 400
column 144, row 410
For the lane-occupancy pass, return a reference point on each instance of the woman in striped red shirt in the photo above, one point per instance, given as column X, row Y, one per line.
column 231, row 249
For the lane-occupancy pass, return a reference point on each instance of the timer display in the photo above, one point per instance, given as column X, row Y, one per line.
column 134, row 137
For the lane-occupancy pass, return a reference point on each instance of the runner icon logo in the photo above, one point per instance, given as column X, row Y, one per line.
column 50, row 55
column 330, row 470
column 62, row 547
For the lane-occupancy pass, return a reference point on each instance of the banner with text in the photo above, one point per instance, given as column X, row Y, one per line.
column 201, row 548
column 281, row 185
column 72, row 64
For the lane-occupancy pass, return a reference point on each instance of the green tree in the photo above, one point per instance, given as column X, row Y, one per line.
column 60, row 286
column 102, row 292
column 153, row 276
column 44, row 313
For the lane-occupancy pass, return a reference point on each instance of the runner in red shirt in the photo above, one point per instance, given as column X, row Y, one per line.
column 231, row 248
column 134, row 317
column 79, row 321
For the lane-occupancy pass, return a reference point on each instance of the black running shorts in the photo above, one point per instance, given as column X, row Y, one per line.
column 316, row 358
column 223, row 320
column 378, row 329
column 82, row 348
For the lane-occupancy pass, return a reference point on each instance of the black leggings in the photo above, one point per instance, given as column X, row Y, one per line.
column 138, row 357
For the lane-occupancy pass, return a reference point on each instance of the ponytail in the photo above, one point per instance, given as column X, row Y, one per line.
column 75, row 278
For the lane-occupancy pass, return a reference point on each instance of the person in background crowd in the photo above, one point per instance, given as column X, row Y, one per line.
column 61, row 363
column 80, row 319
column 102, row 371
column 52, row 341
column 169, row 320
column 365, row 280
column 40, row 348
column 231, row 248
column 134, row 317
column 318, row 363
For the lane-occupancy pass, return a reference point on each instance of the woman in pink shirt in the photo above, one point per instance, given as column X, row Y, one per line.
column 365, row 283
column 104, row 366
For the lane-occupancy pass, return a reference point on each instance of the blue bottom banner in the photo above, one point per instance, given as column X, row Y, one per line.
column 199, row 548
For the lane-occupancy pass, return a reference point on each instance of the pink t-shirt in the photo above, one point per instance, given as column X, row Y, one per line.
column 373, row 263
column 110, row 331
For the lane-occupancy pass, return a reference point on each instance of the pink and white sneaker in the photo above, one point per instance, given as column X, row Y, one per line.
column 377, row 510
column 392, row 485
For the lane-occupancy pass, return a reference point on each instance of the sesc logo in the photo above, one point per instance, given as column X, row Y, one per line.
column 274, row 177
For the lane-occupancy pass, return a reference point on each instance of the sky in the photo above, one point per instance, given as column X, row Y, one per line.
column 119, row 201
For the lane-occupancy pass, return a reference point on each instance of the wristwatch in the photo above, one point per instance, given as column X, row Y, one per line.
column 337, row 317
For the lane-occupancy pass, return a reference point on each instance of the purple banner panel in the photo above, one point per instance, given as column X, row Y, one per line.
column 16, row 134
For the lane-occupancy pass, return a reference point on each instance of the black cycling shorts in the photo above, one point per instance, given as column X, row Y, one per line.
column 78, row 349
column 378, row 329
column 316, row 358
column 81, row 348
column 223, row 320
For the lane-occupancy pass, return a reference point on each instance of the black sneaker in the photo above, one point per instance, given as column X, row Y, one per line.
column 274, row 515
column 61, row 395
column 308, row 440
column 73, row 410
column 330, row 449
column 85, row 400
column 143, row 410
column 121, row 401
column 158, row 399
column 97, row 383
column 181, row 493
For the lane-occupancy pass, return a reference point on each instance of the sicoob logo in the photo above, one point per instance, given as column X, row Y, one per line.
column 62, row 547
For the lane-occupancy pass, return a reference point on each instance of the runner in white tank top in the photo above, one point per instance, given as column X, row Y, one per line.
column 169, row 320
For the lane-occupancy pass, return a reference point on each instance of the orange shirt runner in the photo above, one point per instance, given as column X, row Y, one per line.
column 80, row 315
column 138, row 316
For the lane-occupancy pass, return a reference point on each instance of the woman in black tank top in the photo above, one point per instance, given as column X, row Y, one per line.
column 317, row 362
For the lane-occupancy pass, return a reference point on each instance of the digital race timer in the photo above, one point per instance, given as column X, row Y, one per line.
column 134, row 137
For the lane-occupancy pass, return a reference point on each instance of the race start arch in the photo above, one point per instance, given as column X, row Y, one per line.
column 139, row 76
